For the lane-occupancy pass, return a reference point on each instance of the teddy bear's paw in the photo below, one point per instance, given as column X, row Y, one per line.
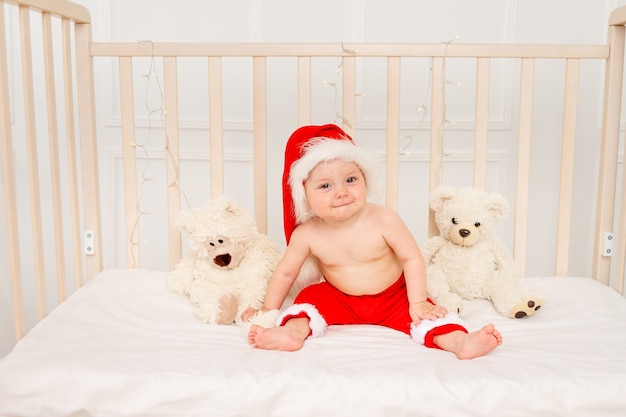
column 454, row 307
column 525, row 308
column 228, row 309
column 452, row 302
column 265, row 319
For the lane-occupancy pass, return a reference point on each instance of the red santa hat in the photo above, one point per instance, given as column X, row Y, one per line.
column 305, row 149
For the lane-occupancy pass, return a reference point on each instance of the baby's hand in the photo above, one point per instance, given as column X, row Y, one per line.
column 425, row 310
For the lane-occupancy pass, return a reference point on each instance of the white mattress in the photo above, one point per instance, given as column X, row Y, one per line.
column 124, row 346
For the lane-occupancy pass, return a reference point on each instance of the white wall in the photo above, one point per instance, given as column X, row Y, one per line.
column 489, row 21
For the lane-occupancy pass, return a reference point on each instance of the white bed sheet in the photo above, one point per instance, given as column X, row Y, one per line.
column 124, row 346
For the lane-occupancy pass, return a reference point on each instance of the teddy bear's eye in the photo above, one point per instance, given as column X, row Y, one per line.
column 222, row 241
column 477, row 224
column 211, row 243
column 455, row 220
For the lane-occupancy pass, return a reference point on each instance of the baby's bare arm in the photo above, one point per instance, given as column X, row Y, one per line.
column 284, row 275
column 402, row 242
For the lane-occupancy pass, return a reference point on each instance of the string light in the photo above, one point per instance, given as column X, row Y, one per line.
column 151, row 77
column 152, row 82
column 333, row 84
column 424, row 109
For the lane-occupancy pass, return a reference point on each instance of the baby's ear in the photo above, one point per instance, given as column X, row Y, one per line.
column 497, row 204
column 440, row 196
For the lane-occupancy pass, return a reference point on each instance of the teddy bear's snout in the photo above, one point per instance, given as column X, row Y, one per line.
column 223, row 260
column 224, row 252
column 464, row 234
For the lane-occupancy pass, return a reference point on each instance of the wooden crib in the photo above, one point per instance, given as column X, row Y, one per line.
column 55, row 234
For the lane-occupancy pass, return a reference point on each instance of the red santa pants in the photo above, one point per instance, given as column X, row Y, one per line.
column 325, row 305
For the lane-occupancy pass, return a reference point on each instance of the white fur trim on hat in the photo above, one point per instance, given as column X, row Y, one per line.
column 317, row 323
column 319, row 150
column 419, row 332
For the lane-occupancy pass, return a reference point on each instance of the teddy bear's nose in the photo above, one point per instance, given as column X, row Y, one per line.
column 222, row 260
column 464, row 233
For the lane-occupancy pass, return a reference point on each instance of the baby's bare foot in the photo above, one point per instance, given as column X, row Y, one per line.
column 276, row 338
column 479, row 343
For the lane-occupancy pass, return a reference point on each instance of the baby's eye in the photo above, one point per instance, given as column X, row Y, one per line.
column 455, row 220
column 351, row 179
column 325, row 186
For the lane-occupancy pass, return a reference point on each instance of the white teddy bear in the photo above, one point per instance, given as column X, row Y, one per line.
column 466, row 261
column 228, row 265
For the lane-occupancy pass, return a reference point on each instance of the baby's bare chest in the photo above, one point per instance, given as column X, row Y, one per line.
column 339, row 249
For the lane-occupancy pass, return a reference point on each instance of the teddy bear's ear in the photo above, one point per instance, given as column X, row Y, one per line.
column 225, row 204
column 497, row 204
column 440, row 196
column 185, row 221
column 231, row 207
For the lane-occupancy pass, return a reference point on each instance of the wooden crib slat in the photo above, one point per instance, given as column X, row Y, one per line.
column 70, row 132
column 259, row 86
column 613, row 81
column 10, row 195
column 33, row 162
column 620, row 272
column 567, row 166
column 127, row 103
column 216, row 131
column 393, row 132
column 483, row 66
column 620, row 253
column 348, row 94
column 616, row 39
column 55, row 171
column 170, row 75
column 304, row 90
column 437, row 121
column 88, row 145
column 527, row 84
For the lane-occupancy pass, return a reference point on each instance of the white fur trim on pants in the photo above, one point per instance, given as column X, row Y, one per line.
column 317, row 323
column 419, row 332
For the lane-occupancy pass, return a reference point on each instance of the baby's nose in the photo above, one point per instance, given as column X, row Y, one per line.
column 340, row 192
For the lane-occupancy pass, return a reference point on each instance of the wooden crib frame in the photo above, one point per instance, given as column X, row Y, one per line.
column 85, row 206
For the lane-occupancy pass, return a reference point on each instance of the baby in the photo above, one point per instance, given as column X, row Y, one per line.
column 373, row 270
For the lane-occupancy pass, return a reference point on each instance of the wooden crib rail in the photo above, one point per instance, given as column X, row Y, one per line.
column 61, row 8
column 440, row 50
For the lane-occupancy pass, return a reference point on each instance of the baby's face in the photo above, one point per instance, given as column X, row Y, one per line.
column 336, row 190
